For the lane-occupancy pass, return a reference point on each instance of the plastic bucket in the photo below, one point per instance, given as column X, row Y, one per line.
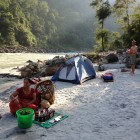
column 25, row 120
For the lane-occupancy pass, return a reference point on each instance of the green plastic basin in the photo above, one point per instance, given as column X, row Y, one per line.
column 25, row 120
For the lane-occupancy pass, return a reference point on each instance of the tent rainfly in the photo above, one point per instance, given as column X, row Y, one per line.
column 75, row 70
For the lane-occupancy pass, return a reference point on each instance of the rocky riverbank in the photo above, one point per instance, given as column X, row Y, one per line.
column 23, row 49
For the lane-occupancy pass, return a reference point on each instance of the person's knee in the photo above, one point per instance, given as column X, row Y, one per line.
column 45, row 104
column 11, row 103
column 14, row 107
column 33, row 106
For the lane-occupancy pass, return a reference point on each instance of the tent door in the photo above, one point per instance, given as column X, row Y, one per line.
column 67, row 73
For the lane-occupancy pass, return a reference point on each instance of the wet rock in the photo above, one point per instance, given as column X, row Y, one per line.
column 112, row 58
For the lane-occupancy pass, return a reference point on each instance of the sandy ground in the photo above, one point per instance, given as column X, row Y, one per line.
column 97, row 110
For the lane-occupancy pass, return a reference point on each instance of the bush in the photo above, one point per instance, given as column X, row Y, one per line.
column 92, row 56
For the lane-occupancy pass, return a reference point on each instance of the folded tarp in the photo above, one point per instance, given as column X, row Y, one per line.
column 58, row 117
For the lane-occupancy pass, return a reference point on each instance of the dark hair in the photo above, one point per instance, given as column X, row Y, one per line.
column 133, row 41
column 29, row 80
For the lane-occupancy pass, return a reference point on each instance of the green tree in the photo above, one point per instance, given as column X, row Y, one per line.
column 135, row 24
column 115, row 42
column 103, row 10
column 122, row 10
column 102, row 34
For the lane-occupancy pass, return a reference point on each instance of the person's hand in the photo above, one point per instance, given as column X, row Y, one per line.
column 16, row 101
column 25, row 105
column 129, row 51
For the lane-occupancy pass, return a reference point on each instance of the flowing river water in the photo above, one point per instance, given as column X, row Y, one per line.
column 8, row 60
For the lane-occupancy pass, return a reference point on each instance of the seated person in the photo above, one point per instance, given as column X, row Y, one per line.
column 23, row 97
column 45, row 94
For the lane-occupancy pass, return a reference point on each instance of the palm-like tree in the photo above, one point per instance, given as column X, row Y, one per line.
column 103, row 10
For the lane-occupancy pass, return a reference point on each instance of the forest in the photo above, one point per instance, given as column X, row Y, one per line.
column 70, row 25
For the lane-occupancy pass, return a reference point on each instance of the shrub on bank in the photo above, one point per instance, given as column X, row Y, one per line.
column 94, row 57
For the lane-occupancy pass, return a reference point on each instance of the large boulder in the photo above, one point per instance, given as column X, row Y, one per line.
column 25, row 72
column 40, row 68
column 111, row 58
column 50, row 70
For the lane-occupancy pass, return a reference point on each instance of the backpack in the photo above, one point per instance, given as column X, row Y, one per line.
column 107, row 77
column 45, row 90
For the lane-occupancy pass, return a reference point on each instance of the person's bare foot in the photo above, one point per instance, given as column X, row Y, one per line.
column 132, row 73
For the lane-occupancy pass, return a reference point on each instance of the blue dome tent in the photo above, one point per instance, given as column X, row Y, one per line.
column 75, row 70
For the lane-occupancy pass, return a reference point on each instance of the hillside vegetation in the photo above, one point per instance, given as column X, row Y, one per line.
column 69, row 25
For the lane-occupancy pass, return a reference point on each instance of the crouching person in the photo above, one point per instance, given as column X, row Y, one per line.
column 24, row 96
column 45, row 94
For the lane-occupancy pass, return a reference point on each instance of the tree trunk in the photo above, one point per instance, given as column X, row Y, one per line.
column 102, row 36
column 128, row 24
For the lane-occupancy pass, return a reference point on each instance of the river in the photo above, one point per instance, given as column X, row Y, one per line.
column 8, row 60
